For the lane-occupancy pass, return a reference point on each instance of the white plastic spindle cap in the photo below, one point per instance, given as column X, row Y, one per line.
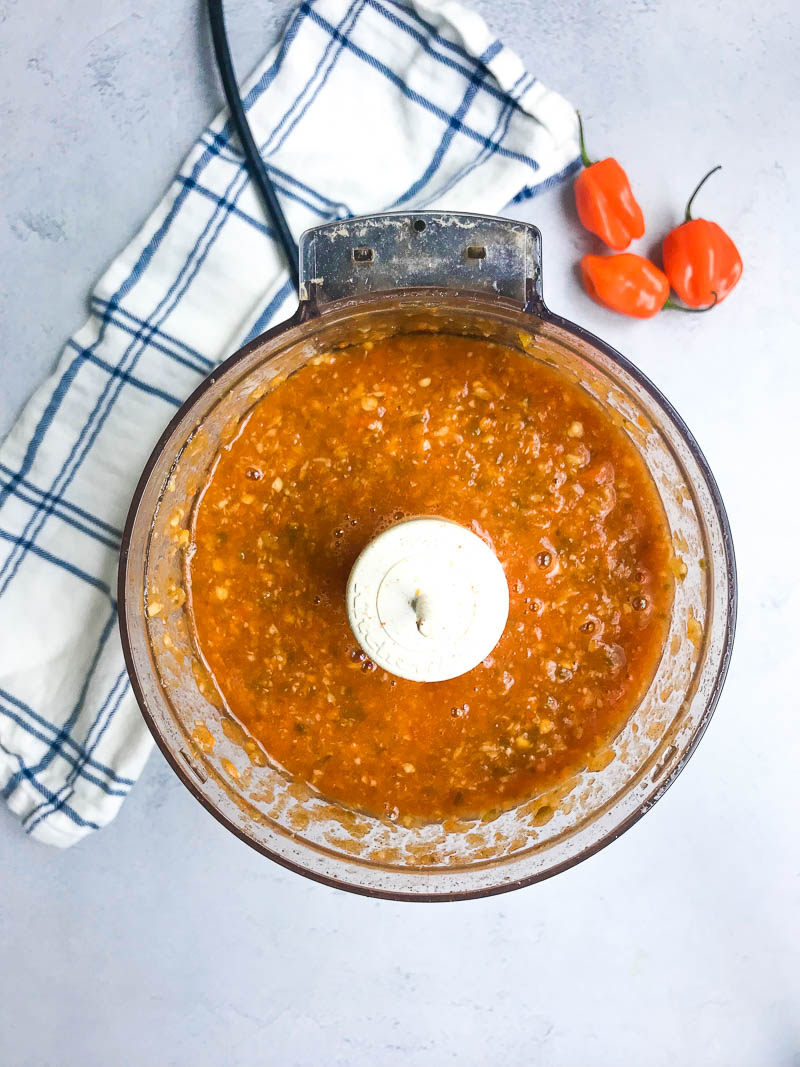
column 427, row 600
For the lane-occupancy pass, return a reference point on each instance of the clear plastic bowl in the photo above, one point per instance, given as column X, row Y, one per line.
column 284, row 818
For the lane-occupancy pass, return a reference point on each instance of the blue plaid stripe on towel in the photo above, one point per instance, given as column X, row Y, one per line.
column 363, row 106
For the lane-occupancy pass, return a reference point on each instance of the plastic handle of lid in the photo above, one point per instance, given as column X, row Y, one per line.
column 434, row 249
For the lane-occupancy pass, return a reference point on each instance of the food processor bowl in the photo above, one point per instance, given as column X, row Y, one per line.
column 364, row 279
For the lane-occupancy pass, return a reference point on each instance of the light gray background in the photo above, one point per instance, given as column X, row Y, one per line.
column 163, row 940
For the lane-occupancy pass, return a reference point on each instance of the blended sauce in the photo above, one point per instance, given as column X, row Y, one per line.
column 431, row 425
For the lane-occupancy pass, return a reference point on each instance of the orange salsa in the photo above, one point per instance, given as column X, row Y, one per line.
column 441, row 425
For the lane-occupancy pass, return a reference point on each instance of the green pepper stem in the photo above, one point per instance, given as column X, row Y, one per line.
column 586, row 161
column 670, row 305
column 700, row 185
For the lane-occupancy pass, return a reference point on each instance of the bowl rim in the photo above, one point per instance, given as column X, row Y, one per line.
column 307, row 312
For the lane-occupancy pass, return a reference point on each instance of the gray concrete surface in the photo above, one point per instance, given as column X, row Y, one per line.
column 163, row 940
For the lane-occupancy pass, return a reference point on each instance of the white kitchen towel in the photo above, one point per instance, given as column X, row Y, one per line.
column 364, row 106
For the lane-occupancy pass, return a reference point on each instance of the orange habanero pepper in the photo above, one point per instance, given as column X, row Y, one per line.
column 606, row 204
column 628, row 283
column 701, row 261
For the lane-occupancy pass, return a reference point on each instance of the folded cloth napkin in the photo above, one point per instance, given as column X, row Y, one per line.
column 364, row 106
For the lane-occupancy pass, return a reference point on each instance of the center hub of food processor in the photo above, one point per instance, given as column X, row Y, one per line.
column 427, row 600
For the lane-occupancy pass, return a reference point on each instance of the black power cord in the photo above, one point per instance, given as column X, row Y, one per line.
column 255, row 164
